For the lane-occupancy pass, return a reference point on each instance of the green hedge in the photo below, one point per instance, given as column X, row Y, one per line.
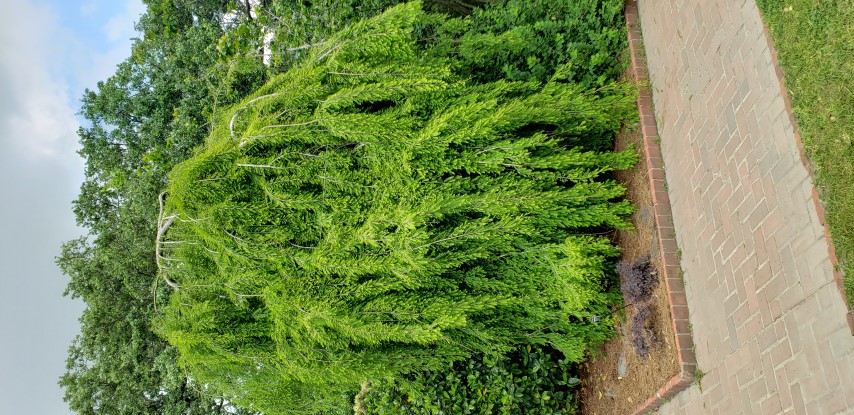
column 529, row 380
column 372, row 214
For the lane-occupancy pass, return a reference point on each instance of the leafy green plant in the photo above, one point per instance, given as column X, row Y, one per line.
column 370, row 214
column 490, row 39
column 525, row 39
column 521, row 40
column 529, row 380
column 296, row 25
column 189, row 64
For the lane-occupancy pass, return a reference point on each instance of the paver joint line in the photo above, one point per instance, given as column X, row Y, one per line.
column 760, row 276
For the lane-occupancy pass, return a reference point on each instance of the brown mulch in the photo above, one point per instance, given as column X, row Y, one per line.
column 603, row 392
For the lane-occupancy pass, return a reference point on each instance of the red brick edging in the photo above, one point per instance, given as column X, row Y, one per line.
column 664, row 223
column 819, row 207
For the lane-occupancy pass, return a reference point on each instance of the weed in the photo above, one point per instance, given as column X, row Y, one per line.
column 698, row 378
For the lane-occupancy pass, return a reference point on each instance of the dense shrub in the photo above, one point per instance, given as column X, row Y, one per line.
column 521, row 40
column 529, row 380
column 371, row 214
column 530, row 39
column 491, row 39
column 296, row 23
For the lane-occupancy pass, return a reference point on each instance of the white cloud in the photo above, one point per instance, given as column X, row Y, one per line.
column 44, row 72
column 44, row 126
column 120, row 27
column 36, row 116
column 98, row 66
column 39, row 175
column 88, row 8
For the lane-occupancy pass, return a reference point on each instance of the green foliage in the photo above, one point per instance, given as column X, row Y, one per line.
column 491, row 40
column 370, row 213
column 529, row 380
column 150, row 114
column 525, row 39
column 191, row 62
column 296, row 24
column 299, row 22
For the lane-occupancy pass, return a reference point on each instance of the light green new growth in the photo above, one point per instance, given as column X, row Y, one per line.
column 368, row 214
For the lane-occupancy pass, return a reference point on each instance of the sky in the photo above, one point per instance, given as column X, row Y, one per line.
column 50, row 52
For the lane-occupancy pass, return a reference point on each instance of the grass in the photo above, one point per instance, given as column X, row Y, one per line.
column 815, row 44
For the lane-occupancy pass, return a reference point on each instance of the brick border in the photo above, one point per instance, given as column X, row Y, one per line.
column 819, row 207
column 664, row 222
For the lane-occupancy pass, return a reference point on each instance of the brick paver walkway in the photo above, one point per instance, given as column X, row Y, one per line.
column 768, row 321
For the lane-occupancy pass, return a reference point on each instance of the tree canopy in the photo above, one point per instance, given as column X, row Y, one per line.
column 141, row 120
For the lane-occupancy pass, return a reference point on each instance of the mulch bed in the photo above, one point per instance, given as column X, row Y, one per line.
column 604, row 391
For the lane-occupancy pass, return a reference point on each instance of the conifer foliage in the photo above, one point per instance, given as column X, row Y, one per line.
column 368, row 213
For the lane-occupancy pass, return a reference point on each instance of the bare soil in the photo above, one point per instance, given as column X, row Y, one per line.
column 603, row 390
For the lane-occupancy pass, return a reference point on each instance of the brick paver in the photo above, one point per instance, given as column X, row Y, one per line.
column 768, row 320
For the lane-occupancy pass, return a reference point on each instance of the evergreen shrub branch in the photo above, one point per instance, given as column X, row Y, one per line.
column 431, row 222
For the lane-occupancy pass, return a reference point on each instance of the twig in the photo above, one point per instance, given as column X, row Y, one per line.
column 290, row 125
column 163, row 224
column 261, row 166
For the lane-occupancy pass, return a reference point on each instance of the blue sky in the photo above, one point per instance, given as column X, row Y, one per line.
column 50, row 51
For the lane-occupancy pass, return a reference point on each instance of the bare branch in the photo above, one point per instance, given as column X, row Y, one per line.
column 245, row 106
column 261, row 166
column 305, row 46
column 163, row 224
column 248, row 9
column 290, row 125
column 303, row 247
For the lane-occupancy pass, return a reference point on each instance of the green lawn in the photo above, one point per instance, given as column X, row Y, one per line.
column 815, row 42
